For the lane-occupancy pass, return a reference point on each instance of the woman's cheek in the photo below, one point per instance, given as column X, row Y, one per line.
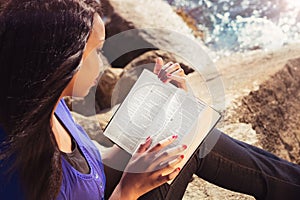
column 81, row 85
column 88, row 74
column 94, row 65
column 83, row 82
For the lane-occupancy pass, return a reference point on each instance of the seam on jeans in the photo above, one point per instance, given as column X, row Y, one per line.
column 256, row 171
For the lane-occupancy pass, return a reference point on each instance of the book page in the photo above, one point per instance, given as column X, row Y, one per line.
column 144, row 103
column 177, row 117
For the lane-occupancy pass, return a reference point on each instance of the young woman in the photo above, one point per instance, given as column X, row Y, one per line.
column 48, row 50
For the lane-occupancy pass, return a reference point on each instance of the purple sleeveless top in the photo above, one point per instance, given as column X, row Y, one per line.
column 76, row 185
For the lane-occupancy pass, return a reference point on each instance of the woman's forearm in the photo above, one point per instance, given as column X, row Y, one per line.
column 123, row 192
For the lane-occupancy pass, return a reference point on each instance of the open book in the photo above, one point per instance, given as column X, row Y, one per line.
column 157, row 109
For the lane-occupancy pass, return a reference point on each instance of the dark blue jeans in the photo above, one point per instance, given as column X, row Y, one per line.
column 239, row 167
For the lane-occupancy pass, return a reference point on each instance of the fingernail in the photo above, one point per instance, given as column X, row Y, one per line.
column 174, row 136
column 147, row 138
column 184, row 146
column 182, row 156
column 178, row 168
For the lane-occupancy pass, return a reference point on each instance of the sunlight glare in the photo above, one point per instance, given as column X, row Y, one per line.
column 293, row 4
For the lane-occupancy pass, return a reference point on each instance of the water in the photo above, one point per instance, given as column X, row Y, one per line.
column 244, row 25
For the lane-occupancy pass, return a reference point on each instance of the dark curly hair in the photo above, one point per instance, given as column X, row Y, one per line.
column 41, row 46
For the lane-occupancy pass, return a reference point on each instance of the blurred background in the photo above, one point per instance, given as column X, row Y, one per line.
column 243, row 25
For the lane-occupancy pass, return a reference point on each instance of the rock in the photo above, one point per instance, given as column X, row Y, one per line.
column 261, row 92
column 126, row 82
column 106, row 85
column 152, row 24
column 86, row 106
column 273, row 111
column 150, row 56
column 191, row 22
column 105, row 116
column 241, row 75
column 200, row 189
column 92, row 127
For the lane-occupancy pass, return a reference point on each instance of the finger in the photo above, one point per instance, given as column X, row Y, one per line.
column 169, row 70
column 168, row 166
column 177, row 78
column 167, row 65
column 172, row 68
column 144, row 146
column 180, row 81
column 162, row 144
column 172, row 77
column 165, row 155
column 162, row 71
column 179, row 72
column 169, row 176
column 158, row 65
column 165, row 78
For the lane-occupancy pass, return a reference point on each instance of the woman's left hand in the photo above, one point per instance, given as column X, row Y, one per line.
column 170, row 72
column 149, row 167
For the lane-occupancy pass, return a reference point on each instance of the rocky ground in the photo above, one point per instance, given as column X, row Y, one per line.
column 273, row 112
column 262, row 109
column 259, row 97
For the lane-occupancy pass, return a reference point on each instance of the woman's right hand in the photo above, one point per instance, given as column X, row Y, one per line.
column 170, row 72
column 149, row 168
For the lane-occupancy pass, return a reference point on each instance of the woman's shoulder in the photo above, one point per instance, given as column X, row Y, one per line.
column 62, row 110
column 65, row 117
column 79, row 134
